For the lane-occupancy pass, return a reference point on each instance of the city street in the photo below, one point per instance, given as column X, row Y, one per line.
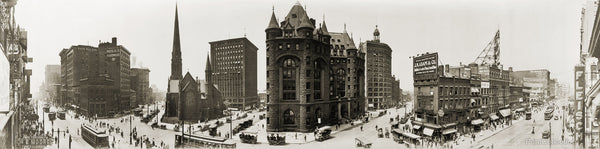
column 519, row 134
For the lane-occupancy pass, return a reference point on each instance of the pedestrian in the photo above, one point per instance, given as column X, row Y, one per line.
column 361, row 128
column 305, row 138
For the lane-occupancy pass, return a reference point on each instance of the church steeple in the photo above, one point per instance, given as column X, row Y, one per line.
column 208, row 70
column 176, row 73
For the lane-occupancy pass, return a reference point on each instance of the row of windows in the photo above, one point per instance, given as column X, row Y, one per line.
column 378, row 89
column 229, row 47
column 231, row 57
column 288, row 46
column 379, row 94
column 455, row 91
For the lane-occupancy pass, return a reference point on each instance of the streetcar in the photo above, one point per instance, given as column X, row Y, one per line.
column 96, row 137
column 198, row 141
column 549, row 113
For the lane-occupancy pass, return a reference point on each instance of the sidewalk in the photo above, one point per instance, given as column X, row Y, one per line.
column 467, row 142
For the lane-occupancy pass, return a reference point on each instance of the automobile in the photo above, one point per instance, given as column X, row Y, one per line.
column 555, row 117
column 545, row 134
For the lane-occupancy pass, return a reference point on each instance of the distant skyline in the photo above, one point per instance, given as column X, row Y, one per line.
column 535, row 34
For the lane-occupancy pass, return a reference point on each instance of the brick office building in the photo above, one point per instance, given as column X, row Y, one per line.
column 119, row 70
column 139, row 82
column 86, row 85
column 379, row 72
column 234, row 63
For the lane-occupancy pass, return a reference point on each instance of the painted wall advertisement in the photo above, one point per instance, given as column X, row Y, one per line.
column 425, row 66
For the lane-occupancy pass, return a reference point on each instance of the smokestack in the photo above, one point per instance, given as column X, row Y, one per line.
column 114, row 40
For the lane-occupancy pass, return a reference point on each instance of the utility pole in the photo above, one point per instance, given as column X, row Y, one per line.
column 130, row 131
column 550, row 134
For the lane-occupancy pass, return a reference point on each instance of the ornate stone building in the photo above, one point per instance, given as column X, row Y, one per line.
column 300, row 71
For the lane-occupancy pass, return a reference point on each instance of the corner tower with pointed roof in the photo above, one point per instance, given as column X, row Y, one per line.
column 298, row 69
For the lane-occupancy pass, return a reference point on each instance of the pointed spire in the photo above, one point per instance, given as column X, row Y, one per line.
column 273, row 23
column 324, row 27
column 208, row 65
column 176, row 73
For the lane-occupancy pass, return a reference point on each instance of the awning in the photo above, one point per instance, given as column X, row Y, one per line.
column 431, row 125
column 521, row 109
column 449, row 125
column 428, row 131
column 473, row 100
column 411, row 135
column 493, row 117
column 505, row 112
column 476, row 122
column 416, row 126
column 417, row 122
column 449, row 131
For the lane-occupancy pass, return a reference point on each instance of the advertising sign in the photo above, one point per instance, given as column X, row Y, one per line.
column 485, row 84
column 4, row 83
column 425, row 66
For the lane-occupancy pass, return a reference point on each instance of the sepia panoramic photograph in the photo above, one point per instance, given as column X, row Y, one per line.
column 299, row 74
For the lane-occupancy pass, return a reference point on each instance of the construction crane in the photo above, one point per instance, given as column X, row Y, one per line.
column 491, row 53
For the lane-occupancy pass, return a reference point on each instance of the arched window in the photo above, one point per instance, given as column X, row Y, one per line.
column 289, row 79
column 288, row 117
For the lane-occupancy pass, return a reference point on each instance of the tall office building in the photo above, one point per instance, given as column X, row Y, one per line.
column 119, row 70
column 86, row 84
column 234, row 71
column 140, row 83
column 379, row 71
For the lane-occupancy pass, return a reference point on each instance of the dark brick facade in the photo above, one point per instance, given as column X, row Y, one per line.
column 303, row 91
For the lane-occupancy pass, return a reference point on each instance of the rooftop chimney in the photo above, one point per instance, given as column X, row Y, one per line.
column 114, row 40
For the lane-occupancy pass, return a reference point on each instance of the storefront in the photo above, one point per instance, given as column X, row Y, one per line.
column 449, row 131
column 506, row 113
column 477, row 123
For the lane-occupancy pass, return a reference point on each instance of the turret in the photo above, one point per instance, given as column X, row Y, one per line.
column 273, row 29
column 325, row 33
column 306, row 28
column 376, row 34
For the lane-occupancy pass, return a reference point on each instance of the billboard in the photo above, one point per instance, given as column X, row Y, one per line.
column 4, row 83
column 485, row 84
column 425, row 66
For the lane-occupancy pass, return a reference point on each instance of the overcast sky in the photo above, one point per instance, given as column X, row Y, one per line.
column 535, row 34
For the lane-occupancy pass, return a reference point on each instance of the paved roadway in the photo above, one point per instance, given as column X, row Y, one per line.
column 342, row 139
column 519, row 135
